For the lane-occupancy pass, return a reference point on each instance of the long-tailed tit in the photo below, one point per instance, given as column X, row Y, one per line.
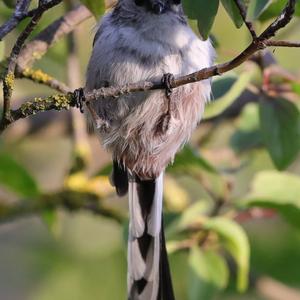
column 142, row 40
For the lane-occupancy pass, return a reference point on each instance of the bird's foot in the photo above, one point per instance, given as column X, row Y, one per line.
column 163, row 124
column 164, row 121
column 168, row 81
column 79, row 99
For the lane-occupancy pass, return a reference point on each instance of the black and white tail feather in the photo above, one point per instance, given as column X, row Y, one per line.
column 148, row 268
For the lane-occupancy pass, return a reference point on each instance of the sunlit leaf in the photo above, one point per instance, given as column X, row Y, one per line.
column 208, row 274
column 222, row 85
column 276, row 8
column 233, row 12
column 15, row 177
column 96, row 7
column 281, row 191
column 217, row 106
column 50, row 218
column 10, row 3
column 2, row 48
column 106, row 170
column 248, row 135
column 296, row 88
column 256, row 8
column 194, row 213
column 280, row 128
column 188, row 158
column 204, row 12
column 234, row 239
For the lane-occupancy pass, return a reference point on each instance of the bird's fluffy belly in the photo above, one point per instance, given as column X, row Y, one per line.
column 135, row 140
column 132, row 137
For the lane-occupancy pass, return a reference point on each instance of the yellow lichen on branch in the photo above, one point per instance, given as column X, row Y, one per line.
column 9, row 80
column 37, row 75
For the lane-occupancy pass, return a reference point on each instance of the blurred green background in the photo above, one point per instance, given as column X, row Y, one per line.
column 78, row 255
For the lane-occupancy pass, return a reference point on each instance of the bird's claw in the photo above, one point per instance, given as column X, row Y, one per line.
column 79, row 99
column 168, row 81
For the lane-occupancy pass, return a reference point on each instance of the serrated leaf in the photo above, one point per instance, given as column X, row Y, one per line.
column 219, row 105
column 235, row 240
column 280, row 191
column 208, row 274
column 204, row 12
column 15, row 177
column 188, row 158
column 256, row 8
column 280, row 128
column 233, row 11
column 96, row 7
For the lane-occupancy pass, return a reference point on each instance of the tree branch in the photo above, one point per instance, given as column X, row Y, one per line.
column 12, row 61
column 52, row 34
column 69, row 200
column 19, row 14
column 61, row 101
column 243, row 13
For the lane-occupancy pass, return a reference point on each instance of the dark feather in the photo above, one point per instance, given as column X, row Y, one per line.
column 119, row 179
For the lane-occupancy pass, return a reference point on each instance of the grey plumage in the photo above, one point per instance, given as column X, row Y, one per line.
column 133, row 44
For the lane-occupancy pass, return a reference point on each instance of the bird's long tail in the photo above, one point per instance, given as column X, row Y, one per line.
column 148, row 267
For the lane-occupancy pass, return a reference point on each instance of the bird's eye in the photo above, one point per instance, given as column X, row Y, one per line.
column 139, row 2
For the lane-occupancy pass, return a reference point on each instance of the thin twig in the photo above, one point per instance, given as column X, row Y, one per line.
column 259, row 43
column 243, row 13
column 35, row 49
column 19, row 14
column 38, row 76
column 12, row 61
column 67, row 199
column 289, row 44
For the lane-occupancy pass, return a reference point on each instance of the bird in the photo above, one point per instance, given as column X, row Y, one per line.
column 137, row 41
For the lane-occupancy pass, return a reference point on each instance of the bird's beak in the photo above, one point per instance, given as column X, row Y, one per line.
column 158, row 7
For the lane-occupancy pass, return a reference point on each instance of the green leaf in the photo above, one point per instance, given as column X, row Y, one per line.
column 280, row 191
column 296, row 88
column 187, row 158
column 16, row 178
column 208, row 274
column 219, row 105
column 273, row 10
column 276, row 8
column 256, row 8
column 106, row 170
column 235, row 240
column 10, row 3
column 96, row 7
column 233, row 12
column 204, row 12
column 280, row 128
column 193, row 213
column 50, row 218
column 2, row 48
column 222, row 85
column 248, row 135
